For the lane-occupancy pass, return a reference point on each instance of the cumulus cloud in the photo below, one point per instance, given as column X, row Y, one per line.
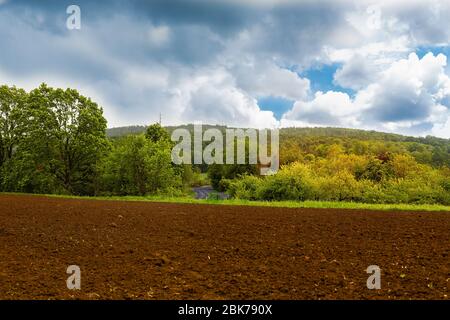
column 207, row 61
column 407, row 90
column 212, row 97
column 330, row 108
column 411, row 96
column 355, row 73
column 426, row 22
column 268, row 79
column 388, row 31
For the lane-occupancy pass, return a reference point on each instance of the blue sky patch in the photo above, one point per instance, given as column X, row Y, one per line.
column 321, row 78
column 275, row 104
column 423, row 50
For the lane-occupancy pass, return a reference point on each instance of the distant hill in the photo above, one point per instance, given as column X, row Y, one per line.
column 123, row 131
column 306, row 132
column 362, row 135
column 315, row 141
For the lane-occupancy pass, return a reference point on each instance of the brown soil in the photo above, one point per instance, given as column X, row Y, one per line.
column 137, row 250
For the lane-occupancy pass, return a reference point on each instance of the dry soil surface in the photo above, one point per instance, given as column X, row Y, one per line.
column 143, row 250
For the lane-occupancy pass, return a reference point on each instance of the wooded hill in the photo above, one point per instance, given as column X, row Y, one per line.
column 427, row 150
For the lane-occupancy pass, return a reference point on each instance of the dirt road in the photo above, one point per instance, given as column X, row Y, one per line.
column 204, row 192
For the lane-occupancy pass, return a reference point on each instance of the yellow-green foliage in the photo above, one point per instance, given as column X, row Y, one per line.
column 349, row 177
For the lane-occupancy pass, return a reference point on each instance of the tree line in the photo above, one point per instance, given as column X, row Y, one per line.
column 54, row 141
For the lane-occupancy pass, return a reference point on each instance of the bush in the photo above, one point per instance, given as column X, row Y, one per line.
column 340, row 187
column 292, row 182
column 399, row 179
column 244, row 188
column 138, row 166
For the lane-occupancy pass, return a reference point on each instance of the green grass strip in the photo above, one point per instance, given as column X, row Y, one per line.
column 276, row 204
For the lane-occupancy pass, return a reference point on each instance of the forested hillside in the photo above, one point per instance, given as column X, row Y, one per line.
column 298, row 142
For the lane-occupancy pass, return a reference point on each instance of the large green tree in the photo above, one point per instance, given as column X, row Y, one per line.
column 12, row 101
column 64, row 137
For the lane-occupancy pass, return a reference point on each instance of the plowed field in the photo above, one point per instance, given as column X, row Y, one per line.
column 144, row 250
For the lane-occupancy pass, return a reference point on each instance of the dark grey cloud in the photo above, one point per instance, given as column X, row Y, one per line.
column 355, row 74
column 398, row 106
column 289, row 31
column 222, row 17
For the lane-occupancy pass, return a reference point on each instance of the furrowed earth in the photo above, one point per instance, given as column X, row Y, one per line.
column 144, row 250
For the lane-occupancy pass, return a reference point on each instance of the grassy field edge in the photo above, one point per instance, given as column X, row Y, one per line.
column 239, row 202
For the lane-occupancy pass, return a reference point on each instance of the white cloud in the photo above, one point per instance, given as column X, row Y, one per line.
column 212, row 97
column 426, row 22
column 388, row 31
column 260, row 78
column 159, row 36
column 407, row 90
column 442, row 129
column 411, row 96
column 423, row 22
column 330, row 108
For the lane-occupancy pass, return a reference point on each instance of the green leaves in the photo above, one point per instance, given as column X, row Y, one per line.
column 349, row 178
column 139, row 166
column 11, row 115
column 156, row 133
column 59, row 137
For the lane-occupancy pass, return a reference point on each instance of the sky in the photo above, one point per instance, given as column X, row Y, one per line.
column 376, row 65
